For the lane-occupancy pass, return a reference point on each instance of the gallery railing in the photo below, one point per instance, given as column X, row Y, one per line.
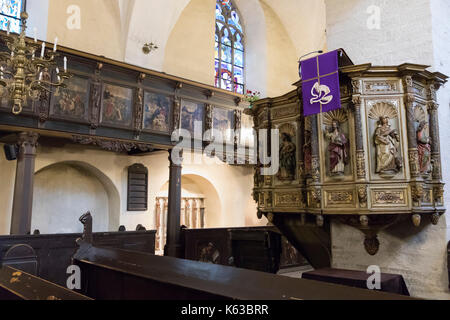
column 121, row 107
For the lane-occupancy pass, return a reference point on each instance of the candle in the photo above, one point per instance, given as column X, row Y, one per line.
column 32, row 57
column 1, row 73
column 65, row 64
column 35, row 34
column 8, row 27
column 57, row 72
column 12, row 54
column 40, row 76
column 43, row 49
column 56, row 43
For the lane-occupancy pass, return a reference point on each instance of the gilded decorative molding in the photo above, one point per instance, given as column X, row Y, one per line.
column 288, row 199
column 112, row 145
column 360, row 164
column 389, row 197
column 413, row 156
column 285, row 111
column 376, row 87
column 362, row 196
column 416, row 220
column 339, row 197
column 417, row 193
column 315, row 198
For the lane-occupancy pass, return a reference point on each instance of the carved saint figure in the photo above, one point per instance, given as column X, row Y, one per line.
column 424, row 148
column 337, row 149
column 387, row 143
column 287, row 158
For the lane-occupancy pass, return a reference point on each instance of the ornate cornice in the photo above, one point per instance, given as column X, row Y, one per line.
column 112, row 145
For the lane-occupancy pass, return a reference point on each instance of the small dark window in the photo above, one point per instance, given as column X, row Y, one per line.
column 137, row 188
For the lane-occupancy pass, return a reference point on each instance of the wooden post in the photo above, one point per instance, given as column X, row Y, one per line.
column 173, row 246
column 23, row 188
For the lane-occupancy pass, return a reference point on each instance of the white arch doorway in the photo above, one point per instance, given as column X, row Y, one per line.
column 200, row 206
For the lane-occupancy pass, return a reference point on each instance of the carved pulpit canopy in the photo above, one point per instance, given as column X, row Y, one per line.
column 372, row 163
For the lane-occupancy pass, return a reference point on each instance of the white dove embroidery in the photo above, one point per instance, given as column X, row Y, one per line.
column 321, row 94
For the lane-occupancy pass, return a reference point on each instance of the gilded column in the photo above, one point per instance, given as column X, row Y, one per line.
column 433, row 109
column 315, row 152
column 23, row 188
column 413, row 153
column 359, row 138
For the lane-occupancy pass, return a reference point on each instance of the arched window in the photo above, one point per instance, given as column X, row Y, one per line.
column 229, row 46
column 10, row 11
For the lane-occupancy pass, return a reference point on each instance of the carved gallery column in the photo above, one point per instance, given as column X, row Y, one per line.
column 23, row 188
column 413, row 153
column 173, row 245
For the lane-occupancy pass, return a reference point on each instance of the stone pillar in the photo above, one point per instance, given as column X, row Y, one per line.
column 23, row 188
column 173, row 246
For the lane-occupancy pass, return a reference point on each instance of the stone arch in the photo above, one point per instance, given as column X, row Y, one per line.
column 53, row 198
column 194, row 184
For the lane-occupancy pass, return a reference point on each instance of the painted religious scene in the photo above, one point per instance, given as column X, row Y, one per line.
column 117, row 105
column 157, row 112
column 72, row 101
column 223, row 124
column 191, row 112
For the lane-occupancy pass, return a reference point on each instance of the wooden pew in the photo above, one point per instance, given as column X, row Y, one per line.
column 115, row 274
column 48, row 256
column 18, row 285
column 256, row 248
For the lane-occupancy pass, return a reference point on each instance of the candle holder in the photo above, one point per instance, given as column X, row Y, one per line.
column 22, row 73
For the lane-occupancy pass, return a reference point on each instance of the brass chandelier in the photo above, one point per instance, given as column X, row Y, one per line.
column 24, row 75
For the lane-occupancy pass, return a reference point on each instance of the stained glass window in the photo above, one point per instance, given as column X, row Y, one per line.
column 10, row 11
column 229, row 48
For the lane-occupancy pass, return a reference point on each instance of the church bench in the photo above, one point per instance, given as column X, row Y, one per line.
column 115, row 274
column 18, row 285
column 255, row 248
column 48, row 256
